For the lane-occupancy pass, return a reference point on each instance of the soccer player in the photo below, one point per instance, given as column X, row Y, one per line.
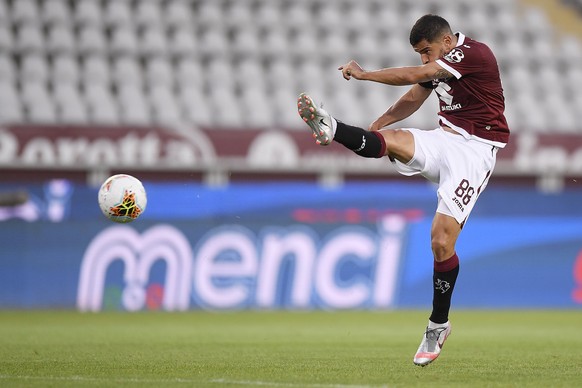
column 459, row 155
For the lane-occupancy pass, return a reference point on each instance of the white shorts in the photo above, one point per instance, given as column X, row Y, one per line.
column 460, row 167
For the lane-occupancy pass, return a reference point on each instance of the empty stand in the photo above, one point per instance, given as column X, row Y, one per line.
column 241, row 64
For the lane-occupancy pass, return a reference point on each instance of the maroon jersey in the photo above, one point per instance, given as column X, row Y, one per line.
column 472, row 102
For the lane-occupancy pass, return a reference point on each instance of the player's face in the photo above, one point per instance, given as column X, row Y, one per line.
column 430, row 52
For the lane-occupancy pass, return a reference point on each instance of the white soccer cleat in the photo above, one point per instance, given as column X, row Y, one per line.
column 431, row 345
column 318, row 119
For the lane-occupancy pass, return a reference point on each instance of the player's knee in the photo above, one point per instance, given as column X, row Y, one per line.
column 400, row 143
column 443, row 246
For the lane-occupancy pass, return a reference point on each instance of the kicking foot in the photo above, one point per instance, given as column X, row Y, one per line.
column 431, row 345
column 318, row 119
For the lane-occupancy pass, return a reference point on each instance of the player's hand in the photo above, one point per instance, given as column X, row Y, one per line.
column 376, row 125
column 351, row 69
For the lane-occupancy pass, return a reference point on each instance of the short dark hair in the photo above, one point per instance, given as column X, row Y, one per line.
column 429, row 27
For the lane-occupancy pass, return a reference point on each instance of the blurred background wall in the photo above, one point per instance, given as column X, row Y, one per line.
column 198, row 100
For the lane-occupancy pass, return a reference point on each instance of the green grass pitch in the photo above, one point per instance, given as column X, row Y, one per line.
column 287, row 349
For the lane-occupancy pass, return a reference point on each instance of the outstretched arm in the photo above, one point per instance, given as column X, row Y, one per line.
column 402, row 108
column 396, row 76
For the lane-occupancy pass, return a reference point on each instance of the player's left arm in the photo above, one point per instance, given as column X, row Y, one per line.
column 396, row 76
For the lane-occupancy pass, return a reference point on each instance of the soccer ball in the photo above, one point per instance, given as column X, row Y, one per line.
column 122, row 198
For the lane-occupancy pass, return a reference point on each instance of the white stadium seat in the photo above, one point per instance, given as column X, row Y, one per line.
column 56, row 12
column 223, row 53
column 11, row 110
column 153, row 42
column 91, row 40
column 29, row 39
column 87, row 13
column 6, row 39
column 133, row 107
column 159, row 72
column 60, row 39
column 34, row 68
column 65, row 70
column 118, row 13
column 147, row 14
column 102, row 107
column 126, row 70
column 123, row 41
column 178, row 14
column 24, row 12
column 165, row 107
column 95, row 70
column 70, row 106
column 7, row 69
column 183, row 42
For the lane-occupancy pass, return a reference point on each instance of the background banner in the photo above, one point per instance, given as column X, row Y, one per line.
column 285, row 245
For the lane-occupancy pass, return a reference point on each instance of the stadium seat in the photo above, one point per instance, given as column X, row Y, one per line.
column 11, row 110
column 6, row 40
column 117, row 13
column 147, row 14
column 91, row 41
column 56, row 12
column 34, row 68
column 87, row 13
column 285, row 111
column 102, row 107
column 182, row 43
column 246, row 43
column 159, row 72
column 219, row 73
column 4, row 15
column 24, row 12
column 60, row 40
column 123, row 41
column 38, row 103
column 225, row 108
column 69, row 104
column 165, row 107
column 153, row 42
column 275, row 44
column 7, row 69
column 95, row 70
column 187, row 73
column 209, row 14
column 239, row 15
column 29, row 39
column 126, row 70
column 214, row 42
column 178, row 14
column 65, row 70
column 194, row 106
column 267, row 15
column 250, row 98
column 297, row 15
column 133, row 107
column 250, row 73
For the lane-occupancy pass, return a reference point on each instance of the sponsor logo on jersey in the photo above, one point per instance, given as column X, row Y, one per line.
column 451, row 107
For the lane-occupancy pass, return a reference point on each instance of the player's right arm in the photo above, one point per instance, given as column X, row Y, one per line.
column 406, row 105
column 396, row 76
